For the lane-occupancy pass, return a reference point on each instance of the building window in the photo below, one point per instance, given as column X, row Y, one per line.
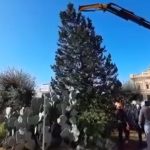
column 138, row 86
column 147, row 86
column 148, row 97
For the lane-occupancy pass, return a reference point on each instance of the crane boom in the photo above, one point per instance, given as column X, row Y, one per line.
column 117, row 10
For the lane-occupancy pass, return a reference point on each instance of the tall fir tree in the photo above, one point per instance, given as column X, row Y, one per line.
column 82, row 62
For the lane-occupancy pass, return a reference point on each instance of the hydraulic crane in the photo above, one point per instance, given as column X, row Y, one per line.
column 117, row 10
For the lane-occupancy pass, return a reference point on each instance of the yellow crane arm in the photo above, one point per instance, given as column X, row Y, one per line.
column 93, row 7
column 118, row 11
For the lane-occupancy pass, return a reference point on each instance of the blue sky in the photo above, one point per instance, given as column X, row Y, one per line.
column 29, row 35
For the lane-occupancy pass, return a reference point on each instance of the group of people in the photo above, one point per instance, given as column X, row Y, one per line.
column 134, row 116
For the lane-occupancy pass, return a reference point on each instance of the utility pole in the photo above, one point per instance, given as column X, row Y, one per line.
column 44, row 107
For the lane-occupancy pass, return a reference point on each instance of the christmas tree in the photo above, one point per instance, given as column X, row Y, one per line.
column 82, row 63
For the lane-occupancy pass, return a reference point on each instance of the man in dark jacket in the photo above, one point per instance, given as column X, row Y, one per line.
column 122, row 123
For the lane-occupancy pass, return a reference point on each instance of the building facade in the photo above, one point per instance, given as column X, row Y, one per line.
column 42, row 89
column 142, row 83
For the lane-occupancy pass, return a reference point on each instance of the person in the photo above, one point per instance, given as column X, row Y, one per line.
column 122, row 123
column 137, row 127
column 133, row 111
column 144, row 120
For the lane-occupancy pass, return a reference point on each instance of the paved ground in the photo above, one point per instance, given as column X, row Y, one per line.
column 133, row 142
column 132, row 145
